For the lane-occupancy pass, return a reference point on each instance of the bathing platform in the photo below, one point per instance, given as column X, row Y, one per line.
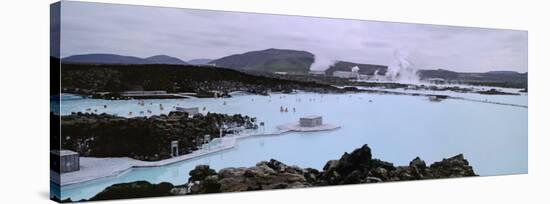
column 96, row 168
column 297, row 128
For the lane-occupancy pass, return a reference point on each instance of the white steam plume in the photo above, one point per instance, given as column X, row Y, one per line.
column 321, row 63
column 400, row 69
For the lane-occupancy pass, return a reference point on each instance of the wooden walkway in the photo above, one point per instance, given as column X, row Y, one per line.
column 96, row 168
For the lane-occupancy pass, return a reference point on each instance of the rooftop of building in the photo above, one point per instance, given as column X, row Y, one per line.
column 63, row 152
column 311, row 117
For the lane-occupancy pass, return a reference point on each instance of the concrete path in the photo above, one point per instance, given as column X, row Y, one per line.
column 95, row 168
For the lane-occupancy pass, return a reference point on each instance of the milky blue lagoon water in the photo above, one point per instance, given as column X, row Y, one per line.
column 493, row 138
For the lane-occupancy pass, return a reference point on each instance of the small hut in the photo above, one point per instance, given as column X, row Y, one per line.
column 174, row 148
column 64, row 161
column 311, row 121
column 190, row 111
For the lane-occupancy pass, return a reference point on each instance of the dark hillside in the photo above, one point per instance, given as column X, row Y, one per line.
column 88, row 78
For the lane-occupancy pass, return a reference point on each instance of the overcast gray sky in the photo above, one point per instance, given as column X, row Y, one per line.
column 189, row 34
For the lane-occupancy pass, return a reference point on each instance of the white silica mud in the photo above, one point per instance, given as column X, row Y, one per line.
column 492, row 137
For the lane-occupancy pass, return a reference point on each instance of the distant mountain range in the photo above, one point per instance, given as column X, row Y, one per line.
column 121, row 59
column 164, row 59
column 296, row 62
column 509, row 77
column 199, row 61
column 270, row 60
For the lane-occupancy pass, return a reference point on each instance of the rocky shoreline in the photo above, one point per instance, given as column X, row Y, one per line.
column 104, row 135
column 352, row 168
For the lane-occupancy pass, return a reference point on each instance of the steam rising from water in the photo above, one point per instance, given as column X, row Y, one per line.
column 321, row 63
column 355, row 69
column 400, row 69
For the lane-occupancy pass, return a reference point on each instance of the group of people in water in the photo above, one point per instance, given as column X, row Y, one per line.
column 142, row 112
column 149, row 111
column 95, row 110
column 285, row 109
column 130, row 113
column 161, row 106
